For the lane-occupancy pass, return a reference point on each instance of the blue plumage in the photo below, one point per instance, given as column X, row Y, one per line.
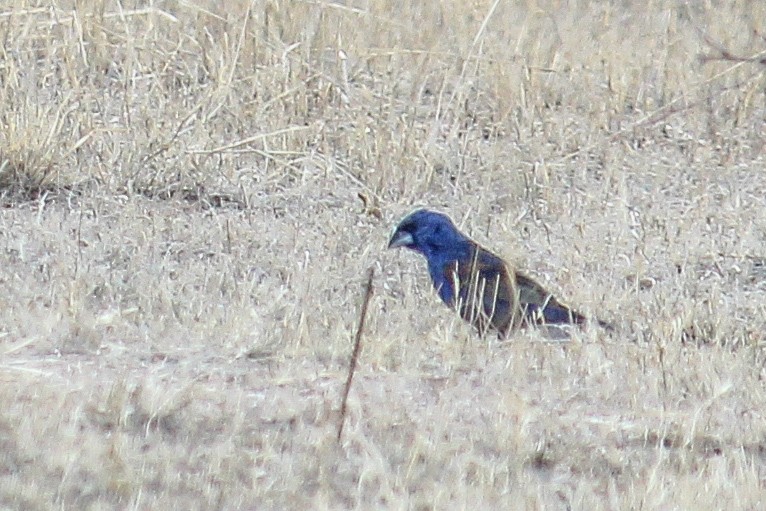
column 475, row 281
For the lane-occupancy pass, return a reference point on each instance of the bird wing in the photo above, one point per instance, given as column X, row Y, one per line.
column 486, row 295
column 490, row 297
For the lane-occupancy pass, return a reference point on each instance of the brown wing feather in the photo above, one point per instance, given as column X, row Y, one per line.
column 486, row 293
column 489, row 295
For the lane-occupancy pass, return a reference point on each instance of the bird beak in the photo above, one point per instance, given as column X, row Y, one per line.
column 401, row 239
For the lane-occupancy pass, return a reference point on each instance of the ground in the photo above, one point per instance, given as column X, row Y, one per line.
column 191, row 196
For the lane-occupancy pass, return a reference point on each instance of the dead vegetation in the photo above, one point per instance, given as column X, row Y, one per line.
column 191, row 196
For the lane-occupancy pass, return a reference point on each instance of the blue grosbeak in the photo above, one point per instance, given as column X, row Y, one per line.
column 476, row 282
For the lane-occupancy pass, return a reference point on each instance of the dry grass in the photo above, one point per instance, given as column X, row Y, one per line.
column 191, row 196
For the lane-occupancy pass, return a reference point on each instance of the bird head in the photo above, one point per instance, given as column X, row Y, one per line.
column 429, row 233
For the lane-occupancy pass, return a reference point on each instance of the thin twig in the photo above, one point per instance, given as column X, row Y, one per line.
column 357, row 346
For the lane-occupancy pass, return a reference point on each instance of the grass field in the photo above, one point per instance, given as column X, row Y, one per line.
column 191, row 196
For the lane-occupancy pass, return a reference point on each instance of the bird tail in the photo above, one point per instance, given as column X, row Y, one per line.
column 555, row 313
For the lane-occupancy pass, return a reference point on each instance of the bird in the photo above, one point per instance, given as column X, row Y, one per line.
column 477, row 283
